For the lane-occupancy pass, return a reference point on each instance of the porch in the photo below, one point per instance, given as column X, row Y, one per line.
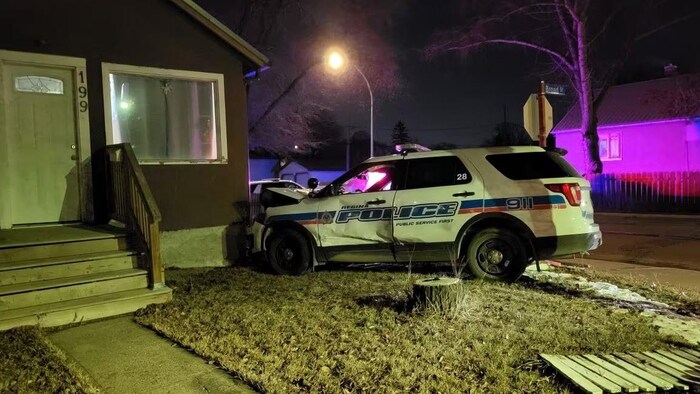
column 60, row 274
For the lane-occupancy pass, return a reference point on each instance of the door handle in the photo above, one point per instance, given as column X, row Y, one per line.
column 376, row 202
column 463, row 194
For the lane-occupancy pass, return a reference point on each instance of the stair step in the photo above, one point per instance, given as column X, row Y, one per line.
column 83, row 309
column 22, row 295
column 66, row 266
column 36, row 251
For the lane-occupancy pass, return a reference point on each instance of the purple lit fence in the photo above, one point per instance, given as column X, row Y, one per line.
column 675, row 192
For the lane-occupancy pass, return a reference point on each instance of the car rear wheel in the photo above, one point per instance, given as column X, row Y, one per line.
column 496, row 254
column 289, row 253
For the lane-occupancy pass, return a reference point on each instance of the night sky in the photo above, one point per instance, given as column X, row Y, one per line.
column 461, row 99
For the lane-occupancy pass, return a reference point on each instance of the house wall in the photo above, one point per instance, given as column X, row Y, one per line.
column 153, row 33
column 653, row 147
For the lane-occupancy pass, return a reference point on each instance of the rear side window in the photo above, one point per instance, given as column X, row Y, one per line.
column 436, row 171
column 532, row 165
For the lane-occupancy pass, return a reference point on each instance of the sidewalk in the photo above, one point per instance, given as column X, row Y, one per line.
column 681, row 279
column 124, row 357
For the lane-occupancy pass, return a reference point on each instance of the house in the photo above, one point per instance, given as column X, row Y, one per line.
column 649, row 144
column 123, row 149
column 302, row 169
column 650, row 126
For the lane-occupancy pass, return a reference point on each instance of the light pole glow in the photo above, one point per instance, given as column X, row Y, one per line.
column 335, row 60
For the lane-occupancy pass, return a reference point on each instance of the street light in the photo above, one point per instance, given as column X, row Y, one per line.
column 336, row 61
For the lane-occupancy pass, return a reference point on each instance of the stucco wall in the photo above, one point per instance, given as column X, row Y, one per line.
column 659, row 147
column 152, row 33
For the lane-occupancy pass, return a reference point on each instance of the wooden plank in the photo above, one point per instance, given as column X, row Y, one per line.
column 680, row 360
column 648, row 365
column 628, row 376
column 686, row 355
column 561, row 364
column 627, row 386
column 672, row 368
column 641, row 372
column 692, row 352
column 594, row 377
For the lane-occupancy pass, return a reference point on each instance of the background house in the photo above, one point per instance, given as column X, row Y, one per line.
column 649, row 144
column 302, row 169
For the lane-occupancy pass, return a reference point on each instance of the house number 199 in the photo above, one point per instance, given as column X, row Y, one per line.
column 82, row 92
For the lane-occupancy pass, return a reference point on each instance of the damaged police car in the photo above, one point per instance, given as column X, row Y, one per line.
column 495, row 209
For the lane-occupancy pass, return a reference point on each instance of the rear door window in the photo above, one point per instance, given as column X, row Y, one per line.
column 435, row 172
column 532, row 165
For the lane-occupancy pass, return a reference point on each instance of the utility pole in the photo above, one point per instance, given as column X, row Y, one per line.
column 540, row 112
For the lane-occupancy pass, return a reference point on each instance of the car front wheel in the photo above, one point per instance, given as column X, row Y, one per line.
column 289, row 253
column 496, row 254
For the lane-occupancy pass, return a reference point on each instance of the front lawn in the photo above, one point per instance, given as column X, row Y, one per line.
column 349, row 331
column 29, row 363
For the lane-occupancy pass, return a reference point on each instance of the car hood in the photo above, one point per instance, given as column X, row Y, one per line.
column 281, row 196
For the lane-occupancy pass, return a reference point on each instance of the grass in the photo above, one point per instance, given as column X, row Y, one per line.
column 348, row 331
column 31, row 364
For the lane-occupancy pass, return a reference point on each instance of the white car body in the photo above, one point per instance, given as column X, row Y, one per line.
column 402, row 222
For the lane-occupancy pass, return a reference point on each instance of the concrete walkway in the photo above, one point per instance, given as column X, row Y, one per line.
column 682, row 279
column 124, row 357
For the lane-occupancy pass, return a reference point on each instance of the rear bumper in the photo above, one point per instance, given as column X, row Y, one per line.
column 568, row 244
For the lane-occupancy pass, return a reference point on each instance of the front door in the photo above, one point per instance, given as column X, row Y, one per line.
column 41, row 144
column 361, row 230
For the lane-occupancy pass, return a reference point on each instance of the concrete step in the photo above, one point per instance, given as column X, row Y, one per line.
column 83, row 309
column 21, row 295
column 39, row 250
column 66, row 266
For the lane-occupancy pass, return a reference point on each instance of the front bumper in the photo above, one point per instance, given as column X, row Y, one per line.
column 254, row 234
column 566, row 245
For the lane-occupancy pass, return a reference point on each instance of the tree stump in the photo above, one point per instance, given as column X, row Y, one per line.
column 442, row 295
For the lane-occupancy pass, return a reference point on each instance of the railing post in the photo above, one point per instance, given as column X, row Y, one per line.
column 157, row 277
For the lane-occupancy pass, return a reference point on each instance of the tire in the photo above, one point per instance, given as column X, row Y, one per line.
column 497, row 255
column 289, row 253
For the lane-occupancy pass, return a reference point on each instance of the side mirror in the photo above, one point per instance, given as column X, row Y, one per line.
column 312, row 183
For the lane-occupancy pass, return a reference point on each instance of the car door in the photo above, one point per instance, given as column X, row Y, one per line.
column 355, row 214
column 437, row 196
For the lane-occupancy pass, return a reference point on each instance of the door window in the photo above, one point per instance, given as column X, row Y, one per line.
column 435, row 172
column 368, row 179
column 37, row 84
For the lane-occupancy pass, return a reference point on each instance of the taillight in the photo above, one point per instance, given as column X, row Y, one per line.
column 572, row 192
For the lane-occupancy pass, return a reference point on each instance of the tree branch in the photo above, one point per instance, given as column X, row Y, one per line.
column 284, row 93
column 556, row 55
column 657, row 29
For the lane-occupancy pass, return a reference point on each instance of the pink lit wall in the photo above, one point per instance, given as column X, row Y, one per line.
column 666, row 146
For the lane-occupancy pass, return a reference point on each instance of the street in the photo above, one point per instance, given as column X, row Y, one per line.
column 661, row 248
column 656, row 240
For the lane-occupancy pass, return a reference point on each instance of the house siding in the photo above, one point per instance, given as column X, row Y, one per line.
column 656, row 147
column 153, row 33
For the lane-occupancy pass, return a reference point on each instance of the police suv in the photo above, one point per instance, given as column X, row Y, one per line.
column 494, row 209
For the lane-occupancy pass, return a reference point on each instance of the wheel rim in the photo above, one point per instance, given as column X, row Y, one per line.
column 288, row 254
column 494, row 256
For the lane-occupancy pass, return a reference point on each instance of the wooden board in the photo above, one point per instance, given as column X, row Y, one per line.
column 661, row 370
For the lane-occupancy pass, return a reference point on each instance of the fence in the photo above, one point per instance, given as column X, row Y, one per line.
column 672, row 192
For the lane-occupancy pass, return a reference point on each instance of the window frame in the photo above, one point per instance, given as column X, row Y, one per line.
column 606, row 136
column 196, row 76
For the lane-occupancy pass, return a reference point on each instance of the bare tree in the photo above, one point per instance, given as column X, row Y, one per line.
column 588, row 41
column 295, row 35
